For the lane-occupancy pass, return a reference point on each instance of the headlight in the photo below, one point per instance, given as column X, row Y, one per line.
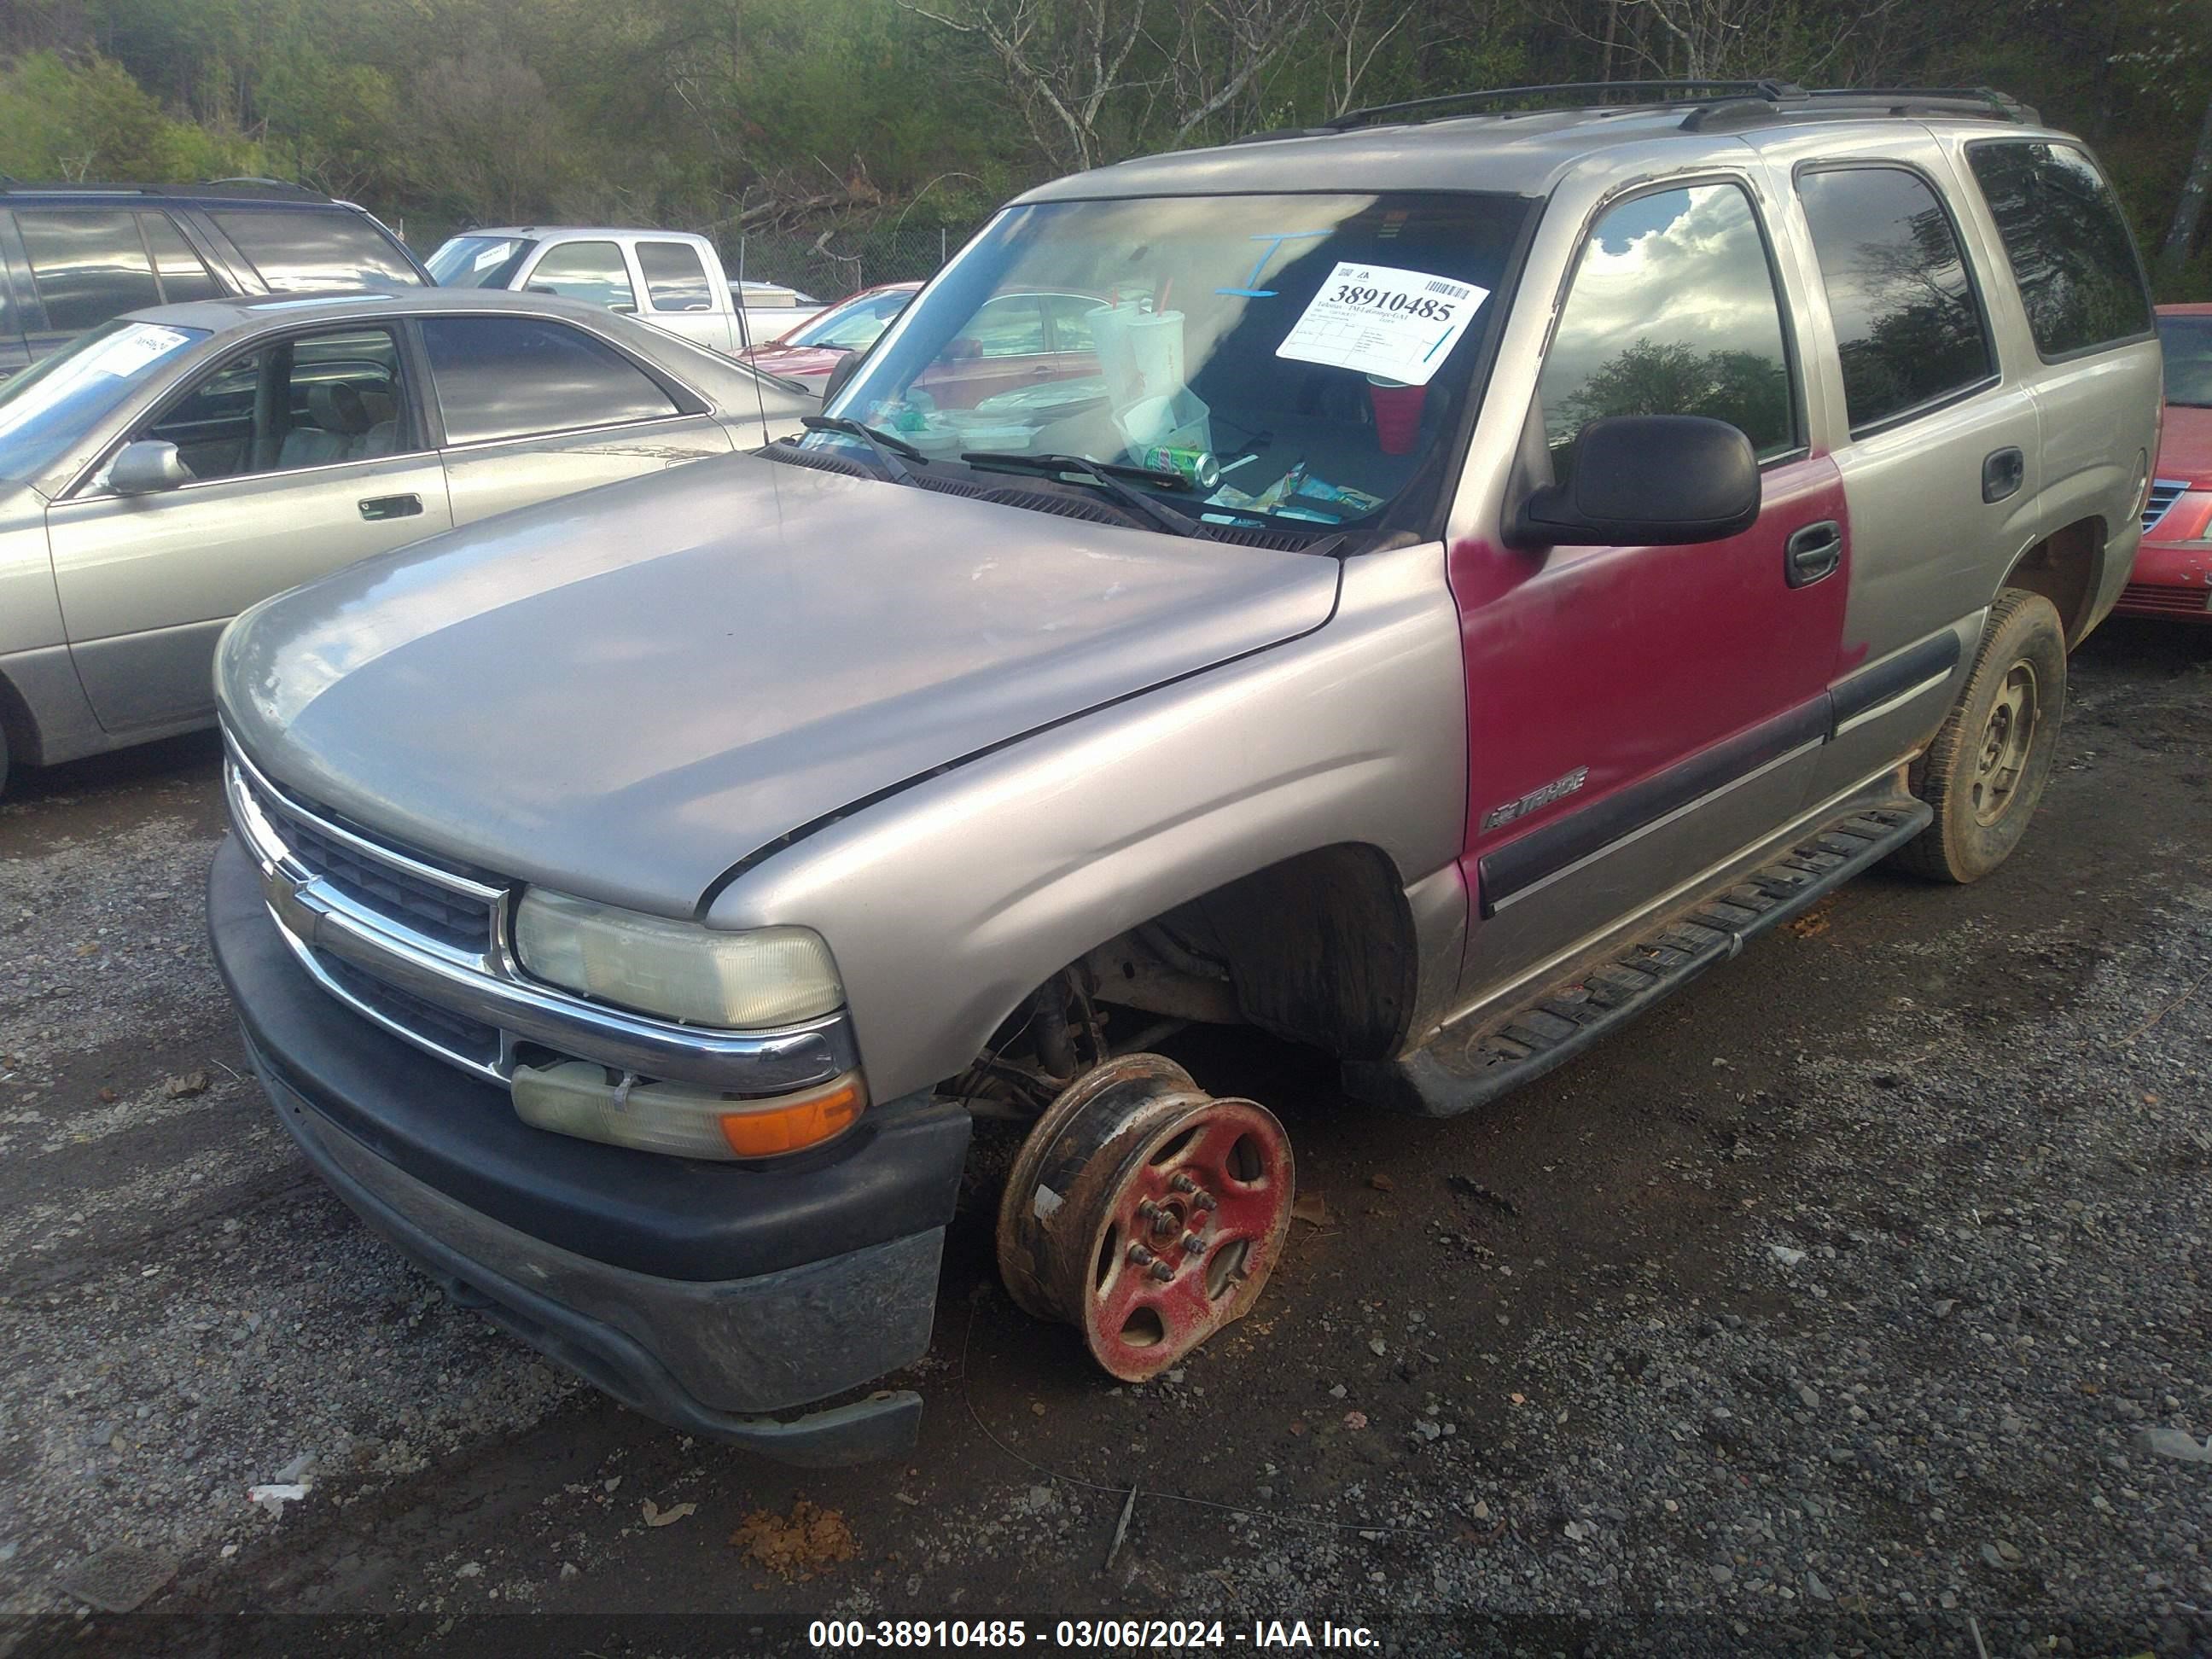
column 763, row 977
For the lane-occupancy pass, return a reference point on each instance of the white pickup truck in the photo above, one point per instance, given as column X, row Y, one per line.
column 672, row 279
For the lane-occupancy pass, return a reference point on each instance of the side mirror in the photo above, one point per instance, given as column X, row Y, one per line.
column 1646, row 480
column 147, row 468
column 843, row 370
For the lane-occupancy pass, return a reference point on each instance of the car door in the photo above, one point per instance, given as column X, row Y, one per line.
column 680, row 297
column 531, row 408
column 1638, row 715
column 1941, row 460
column 309, row 452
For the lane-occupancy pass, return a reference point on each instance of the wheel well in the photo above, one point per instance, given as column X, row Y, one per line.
column 1318, row 949
column 16, row 725
column 2066, row 567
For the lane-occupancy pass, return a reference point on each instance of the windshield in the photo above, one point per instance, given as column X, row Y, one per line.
column 2188, row 342
column 852, row 326
column 48, row 407
column 477, row 261
column 1289, row 358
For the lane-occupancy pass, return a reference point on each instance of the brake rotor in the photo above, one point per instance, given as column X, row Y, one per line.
column 1146, row 1212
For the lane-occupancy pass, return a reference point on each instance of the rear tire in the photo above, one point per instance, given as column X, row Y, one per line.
column 1987, row 768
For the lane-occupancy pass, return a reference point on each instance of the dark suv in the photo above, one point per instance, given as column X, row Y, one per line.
column 73, row 256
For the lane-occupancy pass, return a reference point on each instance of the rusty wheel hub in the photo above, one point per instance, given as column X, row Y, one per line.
column 1145, row 1213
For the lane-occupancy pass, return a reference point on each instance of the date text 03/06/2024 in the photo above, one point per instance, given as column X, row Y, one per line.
column 830, row 1635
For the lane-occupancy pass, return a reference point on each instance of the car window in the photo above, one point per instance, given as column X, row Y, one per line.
column 1011, row 325
column 1909, row 330
column 316, row 400
column 183, row 273
column 853, row 328
column 87, row 266
column 2188, row 342
column 1673, row 311
column 505, row 377
column 2068, row 245
column 307, row 251
column 1070, row 321
column 591, row 271
column 674, row 277
column 50, row 406
column 478, row 261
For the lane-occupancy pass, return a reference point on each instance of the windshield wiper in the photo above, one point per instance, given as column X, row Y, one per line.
column 888, row 446
column 1108, row 475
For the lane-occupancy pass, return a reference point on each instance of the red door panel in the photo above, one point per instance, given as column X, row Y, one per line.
column 1633, row 661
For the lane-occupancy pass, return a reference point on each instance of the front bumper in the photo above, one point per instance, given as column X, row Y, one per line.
column 2170, row 581
column 705, row 1296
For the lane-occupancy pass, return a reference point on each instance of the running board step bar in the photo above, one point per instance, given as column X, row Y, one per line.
column 1467, row 1067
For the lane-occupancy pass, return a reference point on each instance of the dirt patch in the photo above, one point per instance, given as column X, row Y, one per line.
column 795, row 1547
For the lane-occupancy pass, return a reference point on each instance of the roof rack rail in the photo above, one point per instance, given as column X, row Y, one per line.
column 289, row 187
column 1985, row 102
column 1598, row 92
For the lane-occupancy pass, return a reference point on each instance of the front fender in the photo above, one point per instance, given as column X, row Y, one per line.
column 948, row 902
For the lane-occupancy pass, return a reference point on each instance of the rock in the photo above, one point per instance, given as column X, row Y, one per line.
column 1376, row 1346
column 2173, row 1442
column 469, row 1569
column 1426, row 1429
column 1576, row 1530
column 2002, row 1556
column 1942, row 1306
column 568, row 1570
column 119, row 1577
column 1481, row 1510
column 1721, row 1574
column 1810, row 1396
column 1815, row 1589
column 1787, row 1255
column 1336, row 1391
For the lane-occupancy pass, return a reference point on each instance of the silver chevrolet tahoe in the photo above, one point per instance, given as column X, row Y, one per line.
column 1425, row 587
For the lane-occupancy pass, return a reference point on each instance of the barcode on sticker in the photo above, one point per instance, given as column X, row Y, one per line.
column 1449, row 290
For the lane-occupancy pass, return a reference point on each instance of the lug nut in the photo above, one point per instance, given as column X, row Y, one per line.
column 1183, row 1183
column 1162, row 1272
column 1164, row 1224
column 1203, row 1201
column 1138, row 1256
column 1147, row 1208
column 1192, row 1244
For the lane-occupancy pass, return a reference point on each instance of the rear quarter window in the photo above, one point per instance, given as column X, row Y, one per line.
column 2068, row 246
column 308, row 251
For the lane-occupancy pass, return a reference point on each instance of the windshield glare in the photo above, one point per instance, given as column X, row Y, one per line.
column 49, row 406
column 1291, row 358
column 853, row 326
column 477, row 261
column 2188, row 343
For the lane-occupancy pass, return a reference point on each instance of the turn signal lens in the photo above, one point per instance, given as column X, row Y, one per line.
column 574, row 1097
column 770, row 1130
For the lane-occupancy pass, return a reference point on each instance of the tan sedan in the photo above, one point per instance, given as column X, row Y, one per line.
column 165, row 472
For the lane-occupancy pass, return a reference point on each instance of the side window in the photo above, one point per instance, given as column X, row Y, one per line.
column 315, row 250
column 2069, row 246
column 591, row 271
column 87, row 266
column 674, row 277
column 1011, row 325
column 184, row 275
column 1908, row 328
column 319, row 400
column 505, row 377
column 1070, row 321
column 1673, row 311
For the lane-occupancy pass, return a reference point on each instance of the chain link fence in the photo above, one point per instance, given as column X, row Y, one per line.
column 843, row 261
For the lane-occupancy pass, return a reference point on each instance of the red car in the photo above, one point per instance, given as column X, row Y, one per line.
column 2173, row 568
column 1014, row 340
column 810, row 351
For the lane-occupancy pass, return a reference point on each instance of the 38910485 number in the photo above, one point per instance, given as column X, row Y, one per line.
column 1420, row 306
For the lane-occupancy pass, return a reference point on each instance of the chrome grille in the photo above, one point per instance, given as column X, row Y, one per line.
column 2164, row 492
column 452, row 1034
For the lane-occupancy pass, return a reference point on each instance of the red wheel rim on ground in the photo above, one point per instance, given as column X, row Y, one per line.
column 1146, row 1212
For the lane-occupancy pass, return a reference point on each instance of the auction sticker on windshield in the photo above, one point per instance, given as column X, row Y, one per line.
column 1394, row 325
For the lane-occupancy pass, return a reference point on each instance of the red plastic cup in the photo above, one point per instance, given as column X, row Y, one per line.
column 1397, row 414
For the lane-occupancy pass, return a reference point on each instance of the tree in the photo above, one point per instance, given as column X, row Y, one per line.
column 488, row 134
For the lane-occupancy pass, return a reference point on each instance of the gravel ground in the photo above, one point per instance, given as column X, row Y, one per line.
column 1854, row 1302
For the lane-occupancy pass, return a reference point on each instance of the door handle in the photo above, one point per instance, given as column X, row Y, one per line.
column 2003, row 472
column 390, row 507
column 1813, row 551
